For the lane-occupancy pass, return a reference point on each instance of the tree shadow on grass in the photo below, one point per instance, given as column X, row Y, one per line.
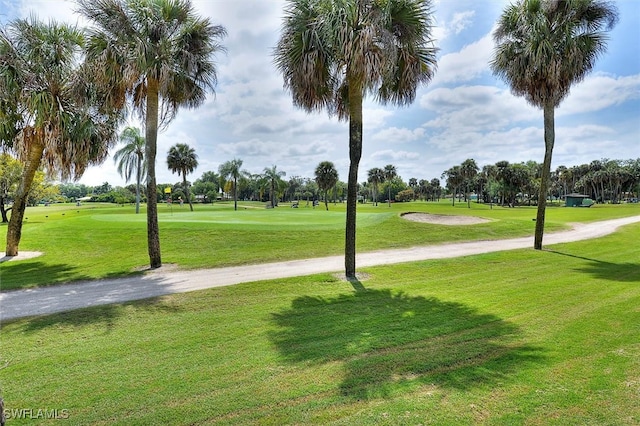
column 388, row 341
column 103, row 316
column 622, row 272
column 24, row 274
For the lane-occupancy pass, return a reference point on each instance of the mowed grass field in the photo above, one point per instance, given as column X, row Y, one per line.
column 96, row 241
column 512, row 338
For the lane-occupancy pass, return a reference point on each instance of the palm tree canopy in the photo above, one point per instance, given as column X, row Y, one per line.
column 469, row 168
column 48, row 99
column 231, row 169
column 159, row 39
column 326, row 175
column 383, row 46
column 453, row 176
column 390, row 172
column 182, row 159
column 273, row 174
column 375, row 175
column 131, row 154
column 544, row 46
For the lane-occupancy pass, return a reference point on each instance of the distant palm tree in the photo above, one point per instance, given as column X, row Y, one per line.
column 182, row 159
column 326, row 178
column 273, row 177
column 158, row 53
column 130, row 158
column 10, row 174
column 375, row 178
column 542, row 48
column 50, row 114
column 333, row 52
column 413, row 184
column 469, row 170
column 231, row 169
column 454, row 181
column 390, row 174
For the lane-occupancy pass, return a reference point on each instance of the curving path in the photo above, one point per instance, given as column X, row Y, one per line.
column 47, row 300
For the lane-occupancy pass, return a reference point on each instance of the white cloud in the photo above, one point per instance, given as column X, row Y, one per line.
column 391, row 155
column 476, row 107
column 461, row 21
column 374, row 118
column 464, row 113
column 470, row 62
column 399, row 135
column 599, row 92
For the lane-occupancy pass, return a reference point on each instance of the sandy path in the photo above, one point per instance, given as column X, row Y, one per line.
column 46, row 300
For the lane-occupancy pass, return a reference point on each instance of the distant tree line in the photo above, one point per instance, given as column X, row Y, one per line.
column 502, row 183
column 604, row 181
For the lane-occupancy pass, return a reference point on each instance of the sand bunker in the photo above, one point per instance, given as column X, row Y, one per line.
column 441, row 219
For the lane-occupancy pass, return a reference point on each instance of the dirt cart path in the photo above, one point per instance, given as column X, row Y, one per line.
column 46, row 300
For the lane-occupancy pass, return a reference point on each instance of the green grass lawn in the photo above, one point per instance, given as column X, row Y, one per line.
column 99, row 241
column 523, row 337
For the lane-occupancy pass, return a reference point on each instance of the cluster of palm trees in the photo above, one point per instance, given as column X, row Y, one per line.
column 156, row 56
column 377, row 176
column 602, row 180
column 241, row 183
column 519, row 183
column 65, row 91
column 233, row 179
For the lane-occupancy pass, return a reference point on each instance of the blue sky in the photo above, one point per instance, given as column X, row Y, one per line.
column 465, row 112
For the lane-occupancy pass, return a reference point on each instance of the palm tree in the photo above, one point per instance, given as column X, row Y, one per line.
column 10, row 173
column 50, row 111
column 469, row 170
column 333, row 52
column 326, row 178
column 182, row 159
column 130, row 158
column 273, row 177
column 231, row 169
column 454, row 180
column 159, row 54
column 542, row 48
column 490, row 172
column 375, row 177
column 413, row 184
column 390, row 174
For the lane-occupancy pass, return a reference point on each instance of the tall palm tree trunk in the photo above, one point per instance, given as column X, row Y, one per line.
column 186, row 189
column 138, row 178
column 14, row 229
column 235, row 194
column 549, row 139
column 272, row 189
column 151, row 135
column 355, row 152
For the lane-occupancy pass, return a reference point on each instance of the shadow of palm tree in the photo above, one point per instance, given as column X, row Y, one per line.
column 25, row 274
column 388, row 340
column 103, row 315
column 622, row 272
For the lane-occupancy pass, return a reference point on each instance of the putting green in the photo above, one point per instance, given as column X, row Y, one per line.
column 281, row 218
